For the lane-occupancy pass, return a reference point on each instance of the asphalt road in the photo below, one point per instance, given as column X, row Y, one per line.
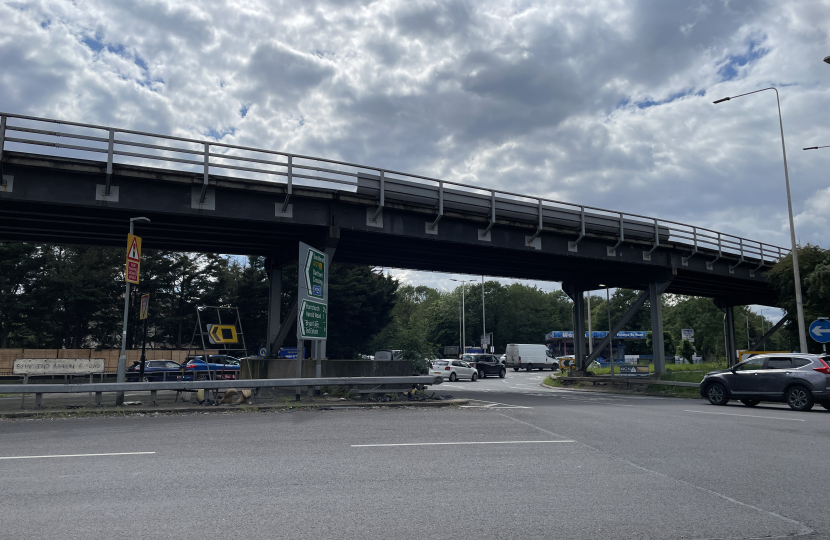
column 520, row 462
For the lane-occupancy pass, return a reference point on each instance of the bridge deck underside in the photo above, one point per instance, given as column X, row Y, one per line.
column 58, row 207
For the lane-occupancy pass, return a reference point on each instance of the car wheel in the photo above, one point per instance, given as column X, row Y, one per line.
column 481, row 373
column 799, row 398
column 750, row 402
column 515, row 369
column 716, row 393
column 202, row 377
column 474, row 376
column 503, row 372
column 529, row 367
column 453, row 378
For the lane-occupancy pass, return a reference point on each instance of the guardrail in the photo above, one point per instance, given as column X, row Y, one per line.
column 201, row 156
column 191, row 386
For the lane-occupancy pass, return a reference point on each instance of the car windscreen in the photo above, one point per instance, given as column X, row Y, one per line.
column 440, row 364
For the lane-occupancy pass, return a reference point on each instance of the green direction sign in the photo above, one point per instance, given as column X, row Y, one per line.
column 312, row 319
column 315, row 273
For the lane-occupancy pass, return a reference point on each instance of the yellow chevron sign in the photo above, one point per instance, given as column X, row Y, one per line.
column 222, row 333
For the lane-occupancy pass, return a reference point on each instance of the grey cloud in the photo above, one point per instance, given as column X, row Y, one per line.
column 278, row 76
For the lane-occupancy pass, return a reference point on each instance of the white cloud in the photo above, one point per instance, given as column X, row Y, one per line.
column 605, row 103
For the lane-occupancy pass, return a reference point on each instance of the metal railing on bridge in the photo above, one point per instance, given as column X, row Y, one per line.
column 130, row 147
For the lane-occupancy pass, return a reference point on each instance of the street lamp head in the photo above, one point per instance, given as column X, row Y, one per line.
column 827, row 59
column 144, row 219
column 811, row 148
column 722, row 100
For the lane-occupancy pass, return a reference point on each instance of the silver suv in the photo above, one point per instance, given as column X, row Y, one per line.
column 800, row 380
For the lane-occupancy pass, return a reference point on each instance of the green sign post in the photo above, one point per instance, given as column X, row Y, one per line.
column 312, row 294
column 315, row 273
column 312, row 316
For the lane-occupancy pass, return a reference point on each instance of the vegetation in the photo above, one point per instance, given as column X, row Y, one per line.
column 71, row 296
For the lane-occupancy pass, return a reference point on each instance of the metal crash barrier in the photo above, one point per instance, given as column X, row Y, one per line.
column 192, row 386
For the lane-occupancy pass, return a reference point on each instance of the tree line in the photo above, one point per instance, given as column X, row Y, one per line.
column 73, row 296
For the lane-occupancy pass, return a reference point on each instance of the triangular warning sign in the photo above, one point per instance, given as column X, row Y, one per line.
column 133, row 253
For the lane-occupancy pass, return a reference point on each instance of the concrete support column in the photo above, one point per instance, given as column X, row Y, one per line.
column 731, row 346
column 274, row 305
column 579, row 329
column 657, row 328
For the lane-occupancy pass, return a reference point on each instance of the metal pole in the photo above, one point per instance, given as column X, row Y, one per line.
column 143, row 356
column 747, row 328
column 121, row 373
column 463, row 323
column 799, row 305
column 610, row 341
column 483, row 316
column 590, row 330
column 762, row 329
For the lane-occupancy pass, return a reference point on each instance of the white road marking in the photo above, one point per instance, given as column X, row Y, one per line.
column 493, row 405
column 458, row 443
column 79, row 455
column 804, row 528
column 747, row 415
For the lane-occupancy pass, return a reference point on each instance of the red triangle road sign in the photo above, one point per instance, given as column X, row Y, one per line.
column 133, row 253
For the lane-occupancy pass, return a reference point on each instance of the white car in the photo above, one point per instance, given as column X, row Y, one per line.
column 454, row 370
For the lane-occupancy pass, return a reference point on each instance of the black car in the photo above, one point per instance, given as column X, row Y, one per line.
column 155, row 370
column 486, row 364
column 800, row 380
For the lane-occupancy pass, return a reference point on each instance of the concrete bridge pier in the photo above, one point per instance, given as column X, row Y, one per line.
column 577, row 294
column 728, row 307
column 657, row 342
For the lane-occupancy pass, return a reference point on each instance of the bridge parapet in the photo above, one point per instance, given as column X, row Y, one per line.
column 384, row 186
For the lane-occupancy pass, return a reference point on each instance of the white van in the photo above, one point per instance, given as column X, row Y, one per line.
column 388, row 355
column 520, row 355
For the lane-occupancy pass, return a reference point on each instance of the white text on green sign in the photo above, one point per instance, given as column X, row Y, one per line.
column 313, row 319
column 315, row 271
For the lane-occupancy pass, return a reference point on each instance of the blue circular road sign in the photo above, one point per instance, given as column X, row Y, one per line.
column 262, row 352
column 820, row 330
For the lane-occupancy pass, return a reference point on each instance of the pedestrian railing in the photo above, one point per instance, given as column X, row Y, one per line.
column 207, row 157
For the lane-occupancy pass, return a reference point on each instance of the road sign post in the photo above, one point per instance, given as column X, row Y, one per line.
column 130, row 276
column 312, row 294
column 312, row 304
column 820, row 332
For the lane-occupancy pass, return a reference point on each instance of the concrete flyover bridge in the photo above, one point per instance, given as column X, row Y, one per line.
column 74, row 183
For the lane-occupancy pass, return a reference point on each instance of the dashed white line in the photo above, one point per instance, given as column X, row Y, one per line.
column 747, row 415
column 78, row 455
column 456, row 443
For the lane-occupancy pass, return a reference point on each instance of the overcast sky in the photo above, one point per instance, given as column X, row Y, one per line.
column 606, row 103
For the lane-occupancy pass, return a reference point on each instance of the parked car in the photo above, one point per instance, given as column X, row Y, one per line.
column 454, row 370
column 528, row 356
column 800, row 380
column 486, row 364
column 155, row 370
column 221, row 367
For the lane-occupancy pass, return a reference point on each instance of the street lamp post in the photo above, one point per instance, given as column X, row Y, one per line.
column 798, row 302
column 483, row 316
column 121, row 373
column 463, row 317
